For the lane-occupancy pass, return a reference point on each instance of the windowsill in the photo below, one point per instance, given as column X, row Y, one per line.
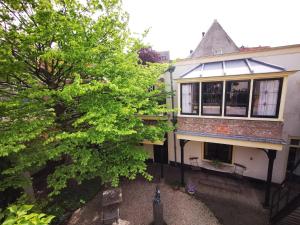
column 233, row 118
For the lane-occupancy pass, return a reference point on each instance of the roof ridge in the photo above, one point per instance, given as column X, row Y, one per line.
column 208, row 41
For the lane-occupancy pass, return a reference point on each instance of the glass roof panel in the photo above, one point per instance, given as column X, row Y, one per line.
column 236, row 67
column 194, row 73
column 213, row 69
column 261, row 67
column 232, row 67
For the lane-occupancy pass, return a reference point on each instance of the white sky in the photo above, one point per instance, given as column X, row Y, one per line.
column 177, row 25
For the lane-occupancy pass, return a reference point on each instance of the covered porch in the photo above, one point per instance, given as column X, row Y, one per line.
column 268, row 146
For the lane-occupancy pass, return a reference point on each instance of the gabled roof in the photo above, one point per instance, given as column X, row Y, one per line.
column 231, row 67
column 215, row 41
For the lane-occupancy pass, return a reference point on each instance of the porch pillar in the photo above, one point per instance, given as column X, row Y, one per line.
column 162, row 164
column 182, row 144
column 271, row 155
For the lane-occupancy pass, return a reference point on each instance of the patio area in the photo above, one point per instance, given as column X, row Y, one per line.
column 234, row 201
column 218, row 200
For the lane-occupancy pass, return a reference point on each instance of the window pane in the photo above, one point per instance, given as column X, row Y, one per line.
column 190, row 98
column 266, row 97
column 212, row 93
column 237, row 98
column 295, row 142
column 220, row 152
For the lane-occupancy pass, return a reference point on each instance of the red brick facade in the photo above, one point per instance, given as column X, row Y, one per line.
column 231, row 127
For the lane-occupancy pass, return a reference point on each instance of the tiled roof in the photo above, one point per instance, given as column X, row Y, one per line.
column 254, row 49
column 215, row 42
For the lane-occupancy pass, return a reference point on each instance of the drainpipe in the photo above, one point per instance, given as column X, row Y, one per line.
column 174, row 120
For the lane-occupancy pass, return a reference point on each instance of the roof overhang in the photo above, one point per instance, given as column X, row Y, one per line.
column 262, row 143
column 280, row 50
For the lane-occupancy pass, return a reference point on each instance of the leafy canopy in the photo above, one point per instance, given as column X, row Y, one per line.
column 72, row 90
column 22, row 215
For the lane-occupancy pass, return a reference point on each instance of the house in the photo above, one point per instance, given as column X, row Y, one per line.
column 238, row 109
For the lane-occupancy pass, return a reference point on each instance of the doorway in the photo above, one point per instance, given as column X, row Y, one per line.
column 161, row 153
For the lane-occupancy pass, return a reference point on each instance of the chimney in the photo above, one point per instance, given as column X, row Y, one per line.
column 203, row 33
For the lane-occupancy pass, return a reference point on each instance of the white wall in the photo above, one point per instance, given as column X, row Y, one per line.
column 291, row 114
column 255, row 160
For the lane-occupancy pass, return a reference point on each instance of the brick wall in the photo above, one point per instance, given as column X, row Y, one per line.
column 250, row 128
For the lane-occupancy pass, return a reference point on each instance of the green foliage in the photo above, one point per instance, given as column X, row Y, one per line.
column 22, row 215
column 70, row 199
column 71, row 88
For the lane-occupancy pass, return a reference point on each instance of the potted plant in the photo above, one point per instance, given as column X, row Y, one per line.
column 191, row 188
column 216, row 163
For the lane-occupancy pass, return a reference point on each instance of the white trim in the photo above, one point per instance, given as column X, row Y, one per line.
column 251, row 144
column 178, row 99
column 232, row 118
column 200, row 99
column 223, row 99
column 283, row 97
column 250, row 99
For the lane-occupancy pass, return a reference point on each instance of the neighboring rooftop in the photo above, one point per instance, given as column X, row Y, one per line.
column 215, row 42
column 231, row 67
column 164, row 56
column 254, row 49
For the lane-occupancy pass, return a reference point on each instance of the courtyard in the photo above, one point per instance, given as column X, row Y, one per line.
column 218, row 200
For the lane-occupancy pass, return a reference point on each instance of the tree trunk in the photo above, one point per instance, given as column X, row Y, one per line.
column 29, row 188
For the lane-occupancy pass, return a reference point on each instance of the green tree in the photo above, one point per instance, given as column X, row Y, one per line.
column 72, row 89
column 23, row 215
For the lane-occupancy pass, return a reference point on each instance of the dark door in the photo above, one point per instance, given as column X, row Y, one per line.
column 161, row 153
column 291, row 159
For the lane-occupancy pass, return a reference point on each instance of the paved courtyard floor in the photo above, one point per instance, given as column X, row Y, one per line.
column 179, row 208
column 234, row 201
column 218, row 200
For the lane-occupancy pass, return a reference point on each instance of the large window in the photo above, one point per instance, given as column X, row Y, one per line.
column 190, row 98
column 218, row 152
column 237, row 98
column 212, row 93
column 266, row 97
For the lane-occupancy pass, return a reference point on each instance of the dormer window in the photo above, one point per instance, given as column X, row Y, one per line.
column 218, row 51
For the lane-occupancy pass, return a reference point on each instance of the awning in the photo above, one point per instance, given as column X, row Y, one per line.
column 245, row 141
